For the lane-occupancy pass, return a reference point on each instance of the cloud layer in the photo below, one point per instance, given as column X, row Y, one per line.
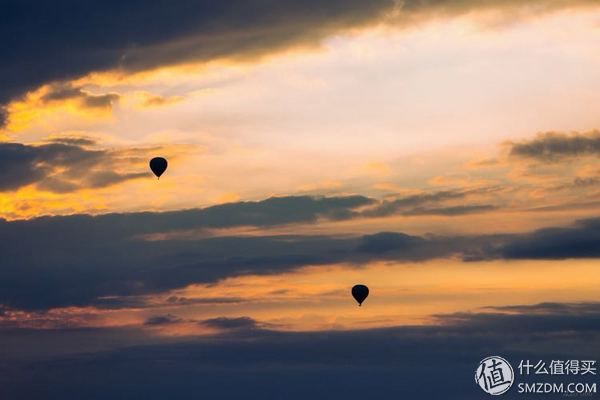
column 107, row 255
column 426, row 362
column 65, row 165
column 134, row 36
column 553, row 146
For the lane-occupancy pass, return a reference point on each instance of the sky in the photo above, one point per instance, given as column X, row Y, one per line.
column 444, row 153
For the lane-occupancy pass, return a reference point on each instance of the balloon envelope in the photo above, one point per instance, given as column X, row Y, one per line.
column 158, row 165
column 360, row 293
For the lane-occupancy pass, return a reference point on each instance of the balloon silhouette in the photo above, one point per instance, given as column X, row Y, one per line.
column 360, row 293
column 158, row 165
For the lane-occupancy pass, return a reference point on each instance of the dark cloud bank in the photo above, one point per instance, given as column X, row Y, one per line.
column 80, row 258
column 63, row 39
column 426, row 362
column 64, row 165
column 58, row 92
column 555, row 146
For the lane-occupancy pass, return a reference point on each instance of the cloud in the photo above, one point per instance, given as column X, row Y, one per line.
column 577, row 309
column 133, row 36
column 64, row 165
column 159, row 320
column 395, row 362
column 240, row 323
column 587, row 181
column 107, row 255
column 553, row 146
column 270, row 212
column 3, row 117
column 530, row 319
column 579, row 241
column 74, row 140
column 432, row 203
column 385, row 242
column 179, row 300
column 65, row 91
column 453, row 211
column 157, row 101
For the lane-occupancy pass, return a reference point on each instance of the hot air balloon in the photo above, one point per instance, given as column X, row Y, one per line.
column 158, row 165
column 360, row 293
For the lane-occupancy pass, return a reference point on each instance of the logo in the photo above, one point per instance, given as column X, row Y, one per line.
column 494, row 375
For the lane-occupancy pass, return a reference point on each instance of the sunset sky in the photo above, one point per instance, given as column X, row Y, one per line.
column 443, row 152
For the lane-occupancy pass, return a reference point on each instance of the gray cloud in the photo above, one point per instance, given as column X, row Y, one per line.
column 553, row 146
column 3, row 116
column 421, row 362
column 160, row 320
column 132, row 36
column 236, row 324
column 407, row 203
column 179, row 300
column 64, row 165
column 570, row 309
column 156, row 101
column 587, row 181
column 452, row 210
column 75, row 140
column 579, row 241
column 65, row 91
column 105, row 256
column 531, row 319
column 98, row 256
column 432, row 203
column 386, row 242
